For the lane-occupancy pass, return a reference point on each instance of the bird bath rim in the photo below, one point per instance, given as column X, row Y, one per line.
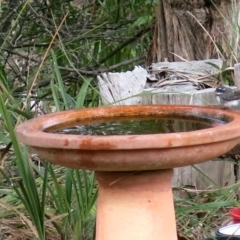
column 33, row 132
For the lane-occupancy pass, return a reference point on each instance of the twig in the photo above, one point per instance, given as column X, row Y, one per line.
column 96, row 72
column 204, row 29
column 41, row 65
column 139, row 34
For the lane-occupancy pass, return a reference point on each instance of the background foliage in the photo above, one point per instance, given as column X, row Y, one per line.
column 51, row 53
column 96, row 36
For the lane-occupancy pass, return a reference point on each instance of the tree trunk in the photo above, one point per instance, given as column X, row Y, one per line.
column 195, row 30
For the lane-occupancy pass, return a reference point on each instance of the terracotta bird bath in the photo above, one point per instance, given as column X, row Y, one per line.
column 134, row 170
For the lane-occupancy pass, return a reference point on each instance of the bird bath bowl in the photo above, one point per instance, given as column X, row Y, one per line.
column 133, row 150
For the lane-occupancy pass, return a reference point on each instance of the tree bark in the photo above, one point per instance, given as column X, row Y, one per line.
column 194, row 30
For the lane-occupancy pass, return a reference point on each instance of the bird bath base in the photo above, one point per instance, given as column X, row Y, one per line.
column 134, row 171
column 135, row 205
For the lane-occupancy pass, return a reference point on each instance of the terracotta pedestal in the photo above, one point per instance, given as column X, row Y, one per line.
column 135, row 205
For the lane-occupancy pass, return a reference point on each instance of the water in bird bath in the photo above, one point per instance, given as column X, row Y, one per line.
column 139, row 126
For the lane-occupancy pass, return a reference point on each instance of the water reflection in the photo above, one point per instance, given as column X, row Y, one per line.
column 142, row 126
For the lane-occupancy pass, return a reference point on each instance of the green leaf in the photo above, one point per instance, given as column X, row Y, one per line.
column 82, row 93
column 142, row 21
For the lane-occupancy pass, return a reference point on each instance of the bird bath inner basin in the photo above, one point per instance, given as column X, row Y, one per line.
column 133, row 150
